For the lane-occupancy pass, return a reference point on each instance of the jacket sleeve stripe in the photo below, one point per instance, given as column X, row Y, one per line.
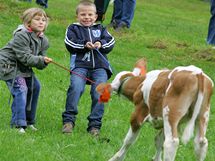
column 109, row 43
column 72, row 44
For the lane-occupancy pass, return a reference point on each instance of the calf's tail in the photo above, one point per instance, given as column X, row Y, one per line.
column 189, row 129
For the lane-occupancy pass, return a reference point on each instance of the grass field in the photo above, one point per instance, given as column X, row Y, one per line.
column 168, row 33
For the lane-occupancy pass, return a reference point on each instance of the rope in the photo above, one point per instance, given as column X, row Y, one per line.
column 105, row 60
column 81, row 76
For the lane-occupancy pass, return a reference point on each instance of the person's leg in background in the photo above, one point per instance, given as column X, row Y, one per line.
column 211, row 27
column 100, row 9
column 117, row 13
column 128, row 12
column 43, row 3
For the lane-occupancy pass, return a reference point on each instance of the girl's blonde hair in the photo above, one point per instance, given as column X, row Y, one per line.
column 30, row 13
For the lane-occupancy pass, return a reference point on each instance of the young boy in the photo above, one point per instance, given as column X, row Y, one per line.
column 26, row 49
column 88, row 44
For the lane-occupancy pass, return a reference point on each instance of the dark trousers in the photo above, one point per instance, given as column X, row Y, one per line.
column 101, row 7
column 43, row 3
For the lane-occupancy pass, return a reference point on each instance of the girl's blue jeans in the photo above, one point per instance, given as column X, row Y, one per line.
column 25, row 92
column 75, row 91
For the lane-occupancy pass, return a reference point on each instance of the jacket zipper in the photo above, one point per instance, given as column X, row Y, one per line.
column 91, row 50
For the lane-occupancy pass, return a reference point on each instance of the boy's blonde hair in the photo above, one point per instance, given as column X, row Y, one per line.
column 30, row 13
column 85, row 3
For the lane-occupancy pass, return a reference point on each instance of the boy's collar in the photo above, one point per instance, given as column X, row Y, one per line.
column 77, row 23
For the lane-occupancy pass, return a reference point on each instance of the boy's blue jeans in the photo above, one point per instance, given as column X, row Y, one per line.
column 211, row 27
column 76, row 89
column 25, row 92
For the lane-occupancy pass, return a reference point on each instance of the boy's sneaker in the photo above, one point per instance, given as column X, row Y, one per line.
column 94, row 132
column 32, row 127
column 67, row 128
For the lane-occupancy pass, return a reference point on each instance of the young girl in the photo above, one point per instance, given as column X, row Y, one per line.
column 27, row 49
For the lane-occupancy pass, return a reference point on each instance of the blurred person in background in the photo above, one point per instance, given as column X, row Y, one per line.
column 123, row 14
column 211, row 26
column 43, row 3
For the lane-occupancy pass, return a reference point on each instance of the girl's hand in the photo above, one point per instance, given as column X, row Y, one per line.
column 47, row 60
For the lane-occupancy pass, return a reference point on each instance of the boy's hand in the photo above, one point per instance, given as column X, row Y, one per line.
column 47, row 60
column 97, row 45
column 90, row 45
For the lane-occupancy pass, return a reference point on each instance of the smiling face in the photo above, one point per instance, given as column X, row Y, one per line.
column 38, row 23
column 86, row 15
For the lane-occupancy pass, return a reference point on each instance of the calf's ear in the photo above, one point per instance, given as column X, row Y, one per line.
column 104, row 89
column 141, row 64
column 102, row 86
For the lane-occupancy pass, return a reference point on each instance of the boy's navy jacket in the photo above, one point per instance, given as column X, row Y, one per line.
column 81, row 57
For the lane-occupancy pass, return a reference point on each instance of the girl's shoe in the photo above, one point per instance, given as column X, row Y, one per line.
column 32, row 127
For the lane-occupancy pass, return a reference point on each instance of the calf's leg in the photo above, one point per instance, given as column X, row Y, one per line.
column 137, row 118
column 159, row 140
column 129, row 139
column 171, row 143
column 200, row 141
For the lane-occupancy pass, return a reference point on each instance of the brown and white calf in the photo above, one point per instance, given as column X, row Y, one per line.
column 166, row 98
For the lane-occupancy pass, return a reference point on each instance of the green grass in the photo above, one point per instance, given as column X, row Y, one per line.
column 168, row 33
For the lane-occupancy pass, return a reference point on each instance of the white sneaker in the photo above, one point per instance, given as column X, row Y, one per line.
column 21, row 130
column 32, row 127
